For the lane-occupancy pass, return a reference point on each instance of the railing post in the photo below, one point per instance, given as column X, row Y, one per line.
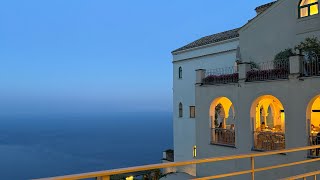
column 296, row 65
column 243, row 69
column 200, row 75
column 103, row 178
column 253, row 130
column 252, row 168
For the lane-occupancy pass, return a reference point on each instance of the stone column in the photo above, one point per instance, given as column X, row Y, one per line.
column 295, row 66
column 200, row 75
column 243, row 69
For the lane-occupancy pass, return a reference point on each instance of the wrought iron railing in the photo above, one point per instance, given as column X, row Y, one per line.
column 311, row 65
column 314, row 139
column 223, row 136
column 269, row 141
column 222, row 75
column 272, row 70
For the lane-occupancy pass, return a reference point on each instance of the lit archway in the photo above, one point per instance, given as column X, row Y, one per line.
column 222, row 121
column 313, row 123
column 268, row 119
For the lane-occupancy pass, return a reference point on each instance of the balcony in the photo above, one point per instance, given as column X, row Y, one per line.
column 272, row 70
column 224, row 137
column 221, row 76
column 298, row 66
column 310, row 66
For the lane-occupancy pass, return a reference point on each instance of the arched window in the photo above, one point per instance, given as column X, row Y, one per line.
column 180, row 110
column 222, row 120
column 180, row 72
column 308, row 8
column 313, row 125
column 268, row 119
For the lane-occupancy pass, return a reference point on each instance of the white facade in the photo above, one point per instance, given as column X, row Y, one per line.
column 218, row 55
column 275, row 29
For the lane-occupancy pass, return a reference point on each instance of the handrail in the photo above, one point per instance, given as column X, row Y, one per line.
column 176, row 164
column 314, row 173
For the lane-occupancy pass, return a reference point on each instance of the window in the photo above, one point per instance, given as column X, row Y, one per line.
column 194, row 151
column 268, row 118
column 180, row 110
column 192, row 111
column 180, row 72
column 308, row 8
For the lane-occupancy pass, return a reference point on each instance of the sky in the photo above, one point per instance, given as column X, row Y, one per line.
column 69, row 56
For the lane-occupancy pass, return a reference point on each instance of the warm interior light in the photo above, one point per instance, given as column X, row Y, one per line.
column 314, row 9
column 304, row 12
column 270, row 112
column 194, row 151
column 315, row 115
column 129, row 178
column 309, row 8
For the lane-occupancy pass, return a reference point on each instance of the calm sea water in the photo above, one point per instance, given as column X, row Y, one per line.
column 51, row 145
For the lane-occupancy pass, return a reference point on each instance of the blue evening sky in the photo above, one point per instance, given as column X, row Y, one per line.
column 101, row 55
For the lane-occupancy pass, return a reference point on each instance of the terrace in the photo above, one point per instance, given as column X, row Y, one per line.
column 251, row 170
column 280, row 69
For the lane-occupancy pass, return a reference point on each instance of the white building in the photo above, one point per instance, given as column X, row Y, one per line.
column 269, row 104
column 215, row 51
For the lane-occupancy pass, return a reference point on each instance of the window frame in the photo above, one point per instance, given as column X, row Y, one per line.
column 309, row 8
column 190, row 112
column 180, row 114
column 180, row 73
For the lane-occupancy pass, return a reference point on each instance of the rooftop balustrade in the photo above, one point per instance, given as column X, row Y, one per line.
column 310, row 66
column 298, row 66
column 272, row 70
column 221, row 76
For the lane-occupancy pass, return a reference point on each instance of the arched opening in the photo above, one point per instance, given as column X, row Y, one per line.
column 313, row 124
column 268, row 119
column 308, row 8
column 180, row 110
column 222, row 122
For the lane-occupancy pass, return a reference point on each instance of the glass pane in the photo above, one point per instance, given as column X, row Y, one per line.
column 306, row 2
column 192, row 112
column 304, row 12
column 314, row 9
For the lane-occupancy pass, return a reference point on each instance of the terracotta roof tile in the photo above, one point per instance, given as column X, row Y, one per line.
column 265, row 6
column 210, row 39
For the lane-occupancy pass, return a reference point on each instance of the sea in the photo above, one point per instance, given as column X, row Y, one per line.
column 38, row 146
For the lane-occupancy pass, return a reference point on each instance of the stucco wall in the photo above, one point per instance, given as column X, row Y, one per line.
column 276, row 29
column 209, row 57
column 294, row 95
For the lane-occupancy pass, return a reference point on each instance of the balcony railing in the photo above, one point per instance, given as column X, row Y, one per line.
column 223, row 136
column 311, row 65
column 314, row 139
column 269, row 141
column 271, row 70
column 221, row 76
column 105, row 175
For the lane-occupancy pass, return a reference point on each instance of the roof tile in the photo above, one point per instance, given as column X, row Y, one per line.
column 210, row 39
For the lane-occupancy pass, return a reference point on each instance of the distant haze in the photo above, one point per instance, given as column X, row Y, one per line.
column 95, row 56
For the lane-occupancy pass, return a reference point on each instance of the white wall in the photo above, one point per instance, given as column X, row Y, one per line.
column 184, row 91
column 294, row 95
column 276, row 29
